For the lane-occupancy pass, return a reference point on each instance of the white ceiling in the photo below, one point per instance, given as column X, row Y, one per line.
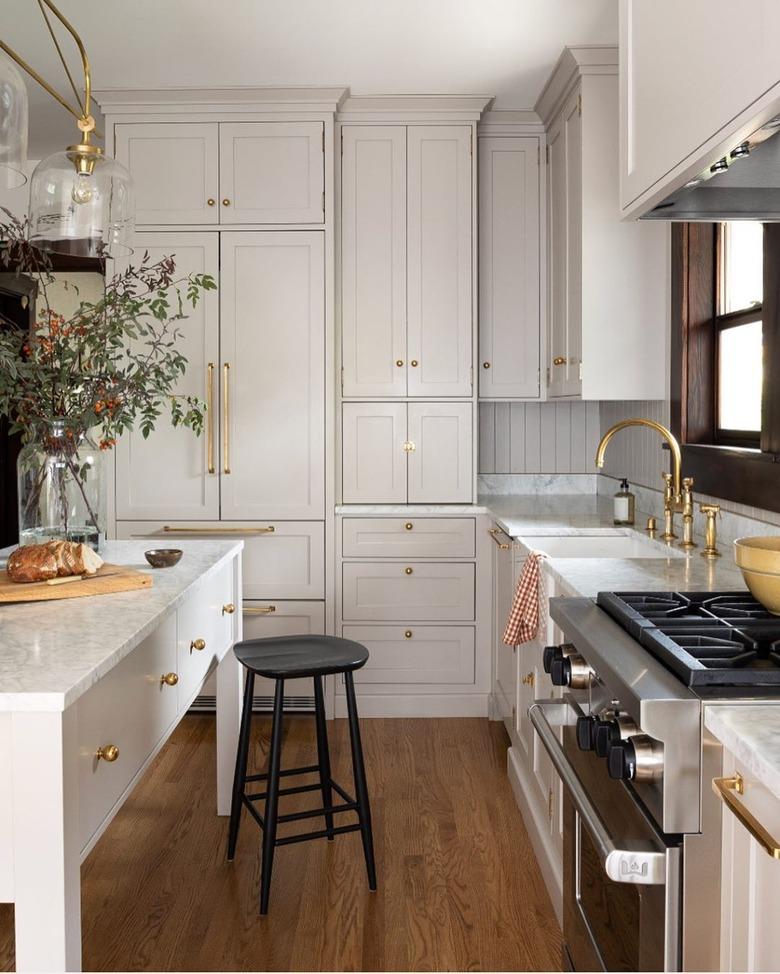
column 495, row 47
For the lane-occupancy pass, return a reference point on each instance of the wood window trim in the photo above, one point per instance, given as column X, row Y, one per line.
column 745, row 475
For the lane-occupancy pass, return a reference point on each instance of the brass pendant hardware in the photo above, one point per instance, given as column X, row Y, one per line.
column 109, row 753
column 197, row 644
column 408, row 634
column 399, row 362
column 559, row 360
column 408, row 571
column 414, row 363
column 228, row 609
column 408, row 525
column 486, row 365
column 727, row 789
column 169, row 679
column 258, row 610
column 529, row 679
column 211, row 202
column 226, row 202
column 210, row 416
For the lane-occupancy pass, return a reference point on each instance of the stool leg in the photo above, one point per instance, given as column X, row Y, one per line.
column 239, row 778
column 361, row 790
column 272, row 798
column 323, row 754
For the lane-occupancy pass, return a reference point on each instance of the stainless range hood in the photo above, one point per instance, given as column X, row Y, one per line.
column 743, row 185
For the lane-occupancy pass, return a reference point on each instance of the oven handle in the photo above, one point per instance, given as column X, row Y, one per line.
column 644, row 867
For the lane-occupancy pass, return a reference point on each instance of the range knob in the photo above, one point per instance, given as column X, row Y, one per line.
column 550, row 654
column 571, row 671
column 610, row 730
column 586, row 728
column 639, row 758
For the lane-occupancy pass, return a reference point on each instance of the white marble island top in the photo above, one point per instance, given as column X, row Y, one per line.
column 52, row 652
column 752, row 733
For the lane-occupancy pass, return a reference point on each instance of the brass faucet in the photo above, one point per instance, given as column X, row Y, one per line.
column 674, row 446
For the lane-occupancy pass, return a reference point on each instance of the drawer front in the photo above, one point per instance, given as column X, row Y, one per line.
column 287, row 562
column 413, row 592
column 205, row 630
column 285, row 619
column 400, row 537
column 131, row 709
column 425, row 654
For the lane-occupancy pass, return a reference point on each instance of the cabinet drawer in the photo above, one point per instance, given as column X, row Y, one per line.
column 131, row 709
column 286, row 562
column 204, row 624
column 426, row 654
column 399, row 537
column 410, row 592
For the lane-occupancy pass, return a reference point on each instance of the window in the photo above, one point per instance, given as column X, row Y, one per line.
column 725, row 367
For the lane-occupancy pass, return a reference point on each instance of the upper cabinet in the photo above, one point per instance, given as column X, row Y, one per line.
column 509, row 268
column 607, row 280
column 694, row 82
column 407, row 260
column 225, row 172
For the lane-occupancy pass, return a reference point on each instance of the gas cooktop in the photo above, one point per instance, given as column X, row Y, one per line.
column 708, row 639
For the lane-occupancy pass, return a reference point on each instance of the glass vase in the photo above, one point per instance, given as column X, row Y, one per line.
column 61, row 489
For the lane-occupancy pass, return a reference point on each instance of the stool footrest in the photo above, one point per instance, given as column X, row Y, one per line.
column 314, row 812
column 286, row 791
column 283, row 774
column 323, row 834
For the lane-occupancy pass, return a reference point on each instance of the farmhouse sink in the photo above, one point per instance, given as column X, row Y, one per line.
column 617, row 545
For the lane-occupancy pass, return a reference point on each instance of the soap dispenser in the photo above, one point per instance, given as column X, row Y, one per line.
column 624, row 504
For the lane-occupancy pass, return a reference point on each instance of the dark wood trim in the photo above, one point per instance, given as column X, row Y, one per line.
column 770, row 408
column 741, row 475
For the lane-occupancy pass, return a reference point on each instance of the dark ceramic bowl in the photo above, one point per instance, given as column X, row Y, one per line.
column 163, row 557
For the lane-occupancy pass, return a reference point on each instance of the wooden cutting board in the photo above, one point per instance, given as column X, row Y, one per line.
column 109, row 579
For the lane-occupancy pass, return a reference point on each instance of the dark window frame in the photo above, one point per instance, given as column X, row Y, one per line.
column 747, row 472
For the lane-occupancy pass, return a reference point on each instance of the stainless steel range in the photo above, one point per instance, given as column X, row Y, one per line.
column 641, row 825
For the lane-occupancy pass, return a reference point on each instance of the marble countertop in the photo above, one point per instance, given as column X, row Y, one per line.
column 52, row 652
column 752, row 733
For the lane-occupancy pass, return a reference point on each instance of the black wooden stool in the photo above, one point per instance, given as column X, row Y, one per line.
column 289, row 657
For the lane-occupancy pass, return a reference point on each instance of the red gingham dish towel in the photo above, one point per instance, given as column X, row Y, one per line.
column 523, row 622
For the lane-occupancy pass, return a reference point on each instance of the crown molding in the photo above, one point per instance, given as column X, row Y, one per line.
column 174, row 101
column 405, row 108
column 506, row 122
column 573, row 63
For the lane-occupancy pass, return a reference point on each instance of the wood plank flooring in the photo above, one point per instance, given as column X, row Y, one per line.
column 459, row 887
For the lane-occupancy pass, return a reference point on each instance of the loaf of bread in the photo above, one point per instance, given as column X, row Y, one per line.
column 40, row 562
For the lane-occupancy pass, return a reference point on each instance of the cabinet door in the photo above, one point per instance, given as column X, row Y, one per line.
column 272, row 172
column 439, row 260
column 168, row 475
column 440, row 462
column 572, row 382
column 509, row 323
column 272, row 342
column 374, row 458
column 373, row 260
column 174, row 168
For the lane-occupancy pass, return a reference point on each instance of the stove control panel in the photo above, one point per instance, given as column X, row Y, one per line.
column 566, row 667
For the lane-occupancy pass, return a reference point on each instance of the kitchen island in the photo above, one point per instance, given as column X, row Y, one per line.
column 90, row 690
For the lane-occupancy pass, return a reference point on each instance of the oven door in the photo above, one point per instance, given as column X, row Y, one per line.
column 621, row 877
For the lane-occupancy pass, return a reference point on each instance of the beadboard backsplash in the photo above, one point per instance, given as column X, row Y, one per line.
column 636, row 453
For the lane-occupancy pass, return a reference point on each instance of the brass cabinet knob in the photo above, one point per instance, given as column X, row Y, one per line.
column 414, row 363
column 408, row 525
column 408, row 634
column 409, row 447
column 399, row 362
column 226, row 202
column 211, row 202
column 109, row 752
column 559, row 360
column 198, row 644
column 529, row 679
column 408, row 571
column 228, row 609
column 486, row 365
column 169, row 679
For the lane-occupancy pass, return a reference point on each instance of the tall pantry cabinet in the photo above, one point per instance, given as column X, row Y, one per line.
column 239, row 184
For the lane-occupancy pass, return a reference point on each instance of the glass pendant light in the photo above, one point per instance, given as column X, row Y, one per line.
column 13, row 126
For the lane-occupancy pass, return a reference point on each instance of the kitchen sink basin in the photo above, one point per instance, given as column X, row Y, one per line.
column 615, row 545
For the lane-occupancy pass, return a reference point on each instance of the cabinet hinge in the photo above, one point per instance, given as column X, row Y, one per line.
column 547, row 154
column 579, row 104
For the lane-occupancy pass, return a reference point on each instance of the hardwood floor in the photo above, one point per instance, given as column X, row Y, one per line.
column 459, row 888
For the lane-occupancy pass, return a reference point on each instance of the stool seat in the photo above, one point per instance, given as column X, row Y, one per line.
column 285, row 657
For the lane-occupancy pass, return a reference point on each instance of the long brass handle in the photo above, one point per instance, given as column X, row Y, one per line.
column 496, row 534
column 559, row 360
column 210, row 412
column 226, row 418
column 173, row 529
column 258, row 610
column 727, row 790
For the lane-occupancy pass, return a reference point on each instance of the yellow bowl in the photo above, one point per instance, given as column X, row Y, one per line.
column 760, row 554
column 765, row 587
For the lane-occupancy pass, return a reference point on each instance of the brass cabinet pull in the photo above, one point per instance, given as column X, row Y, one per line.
column 408, row 525
column 496, row 534
column 169, row 679
column 399, row 362
column 175, row 529
column 258, row 610
column 210, row 416
column 226, row 417
column 486, row 365
column 414, row 363
column 210, row 201
column 408, row 571
column 197, row 644
column 226, row 202
column 228, row 609
column 559, row 360
column 529, row 679
column 408, row 634
column 109, row 752
column 727, row 790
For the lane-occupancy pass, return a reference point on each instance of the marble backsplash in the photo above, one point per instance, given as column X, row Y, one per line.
column 540, row 483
